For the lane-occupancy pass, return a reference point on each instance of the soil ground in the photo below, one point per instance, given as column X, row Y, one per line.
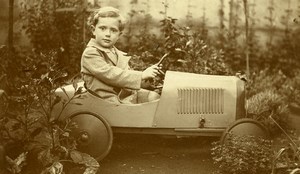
column 149, row 154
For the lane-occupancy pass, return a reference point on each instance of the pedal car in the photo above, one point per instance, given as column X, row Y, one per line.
column 189, row 105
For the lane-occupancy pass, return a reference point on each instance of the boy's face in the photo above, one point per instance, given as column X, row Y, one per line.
column 107, row 31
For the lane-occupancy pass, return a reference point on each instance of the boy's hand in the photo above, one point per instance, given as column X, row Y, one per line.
column 151, row 72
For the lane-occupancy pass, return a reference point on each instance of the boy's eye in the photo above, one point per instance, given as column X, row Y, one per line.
column 102, row 28
column 114, row 30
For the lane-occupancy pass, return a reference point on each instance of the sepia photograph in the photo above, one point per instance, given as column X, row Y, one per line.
column 150, row 87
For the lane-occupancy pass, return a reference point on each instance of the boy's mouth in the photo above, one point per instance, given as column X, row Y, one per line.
column 106, row 40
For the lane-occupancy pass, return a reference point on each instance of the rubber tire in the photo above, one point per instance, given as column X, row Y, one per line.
column 245, row 126
column 99, row 131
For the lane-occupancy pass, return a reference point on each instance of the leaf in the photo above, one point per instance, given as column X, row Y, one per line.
column 36, row 132
column 75, row 85
column 79, row 90
column 66, row 134
column 56, row 100
column 76, row 157
column 279, row 153
column 16, row 126
column 21, row 158
column 64, row 90
column 83, row 158
column 45, row 157
column 77, row 103
column 295, row 171
column 90, row 170
column 15, row 166
column 55, row 168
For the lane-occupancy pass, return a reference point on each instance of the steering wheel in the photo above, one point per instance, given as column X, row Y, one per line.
column 156, row 84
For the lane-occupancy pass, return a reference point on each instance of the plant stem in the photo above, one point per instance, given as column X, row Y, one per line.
column 64, row 106
column 10, row 28
column 247, row 37
column 291, row 140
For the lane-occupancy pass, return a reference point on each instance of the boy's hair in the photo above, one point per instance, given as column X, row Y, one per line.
column 106, row 12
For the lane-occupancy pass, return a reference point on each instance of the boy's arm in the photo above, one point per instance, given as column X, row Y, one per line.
column 94, row 63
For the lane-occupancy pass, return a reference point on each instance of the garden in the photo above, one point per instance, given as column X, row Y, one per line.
column 32, row 141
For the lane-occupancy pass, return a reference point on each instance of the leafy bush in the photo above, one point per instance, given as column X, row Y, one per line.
column 268, row 103
column 291, row 89
column 266, row 79
column 50, row 29
column 33, row 140
column 287, row 157
column 243, row 155
column 272, row 92
column 186, row 50
column 38, row 20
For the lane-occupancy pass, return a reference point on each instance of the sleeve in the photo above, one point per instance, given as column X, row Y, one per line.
column 94, row 63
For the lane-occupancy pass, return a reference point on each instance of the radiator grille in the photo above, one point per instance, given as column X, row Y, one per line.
column 200, row 101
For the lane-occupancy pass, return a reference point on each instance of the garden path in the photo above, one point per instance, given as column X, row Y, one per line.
column 148, row 154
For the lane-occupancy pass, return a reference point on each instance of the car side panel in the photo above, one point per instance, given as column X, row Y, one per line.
column 184, row 93
column 118, row 115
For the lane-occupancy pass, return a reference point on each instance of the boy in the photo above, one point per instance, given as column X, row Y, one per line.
column 104, row 68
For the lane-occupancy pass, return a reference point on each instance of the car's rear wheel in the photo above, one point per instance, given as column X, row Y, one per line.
column 93, row 134
column 245, row 126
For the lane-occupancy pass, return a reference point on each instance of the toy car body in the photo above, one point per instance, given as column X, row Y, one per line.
column 190, row 104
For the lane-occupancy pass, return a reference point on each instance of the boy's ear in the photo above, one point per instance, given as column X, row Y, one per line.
column 92, row 28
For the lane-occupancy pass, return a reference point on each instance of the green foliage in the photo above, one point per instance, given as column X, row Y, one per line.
column 4, row 67
column 38, row 24
column 271, row 93
column 264, row 79
column 27, row 124
column 265, row 104
column 51, row 29
column 202, row 58
column 243, row 155
column 227, row 39
column 287, row 87
column 287, row 157
column 273, row 85
column 186, row 51
column 291, row 89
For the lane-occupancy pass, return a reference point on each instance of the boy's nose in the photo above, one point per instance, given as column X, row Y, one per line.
column 107, row 33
